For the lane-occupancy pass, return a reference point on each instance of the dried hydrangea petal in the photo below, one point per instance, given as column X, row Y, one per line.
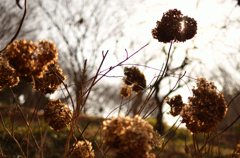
column 130, row 137
column 83, row 149
column 8, row 76
column 135, row 78
column 58, row 115
column 31, row 59
column 50, row 81
column 176, row 104
column 170, row 27
column 126, row 91
column 206, row 108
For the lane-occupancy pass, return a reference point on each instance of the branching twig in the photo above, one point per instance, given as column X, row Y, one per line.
column 12, row 136
column 20, row 26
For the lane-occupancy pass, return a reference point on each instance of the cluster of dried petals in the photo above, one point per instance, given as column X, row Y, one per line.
column 152, row 155
column 155, row 142
column 176, row 104
column 134, row 81
column 130, row 137
column 206, row 108
column 125, row 91
column 51, row 80
column 31, row 59
column 83, row 149
column 8, row 76
column 58, row 115
column 170, row 27
column 237, row 150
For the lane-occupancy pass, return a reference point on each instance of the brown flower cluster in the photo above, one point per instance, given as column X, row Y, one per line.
column 237, row 151
column 170, row 27
column 134, row 81
column 8, row 76
column 176, row 104
column 83, row 149
column 130, row 137
column 31, row 59
column 50, row 81
column 206, row 108
column 126, row 91
column 36, row 64
column 58, row 115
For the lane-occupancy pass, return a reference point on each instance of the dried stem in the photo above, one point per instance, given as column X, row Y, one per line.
column 12, row 136
column 20, row 26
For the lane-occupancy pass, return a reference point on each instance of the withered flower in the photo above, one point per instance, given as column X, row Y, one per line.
column 135, row 78
column 8, row 77
column 51, row 80
column 176, row 104
column 58, row 115
column 31, row 59
column 126, row 91
column 170, row 27
column 83, row 149
column 206, row 108
column 130, row 137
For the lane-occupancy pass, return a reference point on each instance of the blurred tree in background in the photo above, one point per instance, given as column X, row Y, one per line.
column 10, row 19
column 227, row 59
column 81, row 29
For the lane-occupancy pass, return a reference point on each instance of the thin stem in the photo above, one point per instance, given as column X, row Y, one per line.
column 19, row 28
column 25, row 119
column 12, row 136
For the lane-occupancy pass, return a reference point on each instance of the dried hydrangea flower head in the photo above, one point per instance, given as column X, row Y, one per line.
column 176, row 104
column 130, row 137
column 57, row 114
column 29, row 58
column 126, row 91
column 152, row 155
column 237, row 150
column 8, row 76
column 50, row 81
column 206, row 108
column 83, row 149
column 135, row 79
column 174, row 26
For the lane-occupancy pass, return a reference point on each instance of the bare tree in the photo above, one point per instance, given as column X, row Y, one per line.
column 227, row 66
column 181, row 80
column 81, row 29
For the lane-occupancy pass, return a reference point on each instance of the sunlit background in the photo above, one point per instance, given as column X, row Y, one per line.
column 119, row 25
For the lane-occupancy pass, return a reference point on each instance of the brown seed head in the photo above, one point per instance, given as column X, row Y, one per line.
column 130, row 137
column 57, row 114
column 206, row 108
column 83, row 149
column 126, row 91
column 176, row 104
column 135, row 78
column 31, row 59
column 50, row 81
column 170, row 27
column 8, row 76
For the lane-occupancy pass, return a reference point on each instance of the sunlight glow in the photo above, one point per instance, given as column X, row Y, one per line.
column 182, row 25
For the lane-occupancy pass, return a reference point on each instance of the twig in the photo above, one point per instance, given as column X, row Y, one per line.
column 24, row 118
column 20, row 26
column 12, row 136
